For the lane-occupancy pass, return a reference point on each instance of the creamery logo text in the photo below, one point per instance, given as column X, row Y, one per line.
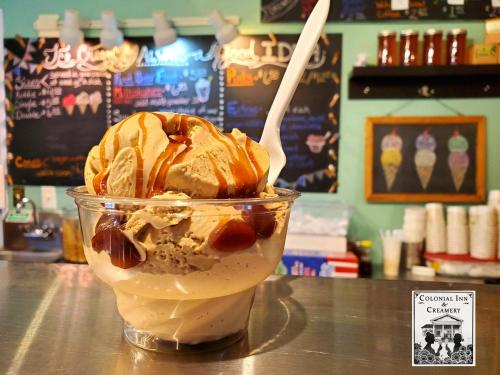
column 440, row 304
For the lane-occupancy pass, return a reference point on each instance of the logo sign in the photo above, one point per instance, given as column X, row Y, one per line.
column 444, row 328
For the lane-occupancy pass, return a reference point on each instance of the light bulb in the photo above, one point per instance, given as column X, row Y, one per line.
column 164, row 33
column 110, row 35
column 70, row 30
column 225, row 32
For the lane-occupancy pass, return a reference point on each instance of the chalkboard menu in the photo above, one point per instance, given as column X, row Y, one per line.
column 62, row 99
column 436, row 158
column 378, row 10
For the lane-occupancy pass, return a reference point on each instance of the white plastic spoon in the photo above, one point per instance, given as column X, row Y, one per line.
column 309, row 36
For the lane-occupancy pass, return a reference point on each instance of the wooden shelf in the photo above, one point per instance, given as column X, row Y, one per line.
column 425, row 82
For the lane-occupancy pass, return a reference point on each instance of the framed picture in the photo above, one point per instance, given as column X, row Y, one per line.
column 420, row 159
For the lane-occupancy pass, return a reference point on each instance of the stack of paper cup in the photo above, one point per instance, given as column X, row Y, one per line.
column 483, row 229
column 435, row 229
column 414, row 224
column 457, row 230
column 494, row 198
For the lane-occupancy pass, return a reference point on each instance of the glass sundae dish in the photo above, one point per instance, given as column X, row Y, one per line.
column 177, row 218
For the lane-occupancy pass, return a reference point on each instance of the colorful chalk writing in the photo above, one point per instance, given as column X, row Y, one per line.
column 64, row 98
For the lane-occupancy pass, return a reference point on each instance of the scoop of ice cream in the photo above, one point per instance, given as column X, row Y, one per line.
column 425, row 141
column 392, row 141
column 391, row 156
column 95, row 97
column 69, row 100
column 458, row 160
column 82, row 98
column 425, row 158
column 458, row 143
column 150, row 153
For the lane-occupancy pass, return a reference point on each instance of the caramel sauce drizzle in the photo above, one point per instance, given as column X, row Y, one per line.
column 183, row 125
column 144, row 130
column 244, row 173
column 100, row 179
column 139, row 174
column 245, row 177
column 244, row 167
column 116, row 139
column 234, row 165
column 160, row 169
column 169, row 156
column 253, row 159
column 116, row 136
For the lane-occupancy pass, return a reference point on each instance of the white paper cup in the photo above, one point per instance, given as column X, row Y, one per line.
column 415, row 213
column 494, row 198
column 486, row 216
column 456, row 215
column 414, row 231
column 434, row 210
column 435, row 234
column 457, row 241
column 483, row 241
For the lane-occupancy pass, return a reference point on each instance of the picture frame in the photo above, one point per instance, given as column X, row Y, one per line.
column 425, row 159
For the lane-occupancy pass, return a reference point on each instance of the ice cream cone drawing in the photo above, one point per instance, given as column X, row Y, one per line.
column 202, row 89
column 316, row 142
column 458, row 159
column 68, row 102
column 425, row 157
column 82, row 101
column 95, row 100
column 391, row 157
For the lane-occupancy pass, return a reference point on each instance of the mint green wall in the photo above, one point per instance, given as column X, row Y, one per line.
column 20, row 14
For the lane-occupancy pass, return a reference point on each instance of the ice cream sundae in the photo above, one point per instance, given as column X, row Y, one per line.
column 178, row 219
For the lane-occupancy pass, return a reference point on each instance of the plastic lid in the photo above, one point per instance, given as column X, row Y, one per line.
column 423, row 271
column 408, row 32
column 386, row 33
column 364, row 243
column 457, row 32
column 433, row 32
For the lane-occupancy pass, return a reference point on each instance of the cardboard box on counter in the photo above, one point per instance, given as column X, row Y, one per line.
column 335, row 265
column 480, row 54
column 316, row 242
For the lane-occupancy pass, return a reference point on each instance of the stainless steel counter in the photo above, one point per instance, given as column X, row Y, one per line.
column 59, row 319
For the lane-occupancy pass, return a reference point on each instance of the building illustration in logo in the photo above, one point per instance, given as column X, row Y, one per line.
column 444, row 326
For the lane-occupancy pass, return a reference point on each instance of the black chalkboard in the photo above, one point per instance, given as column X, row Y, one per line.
column 378, row 10
column 436, row 157
column 309, row 131
column 52, row 124
column 62, row 99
